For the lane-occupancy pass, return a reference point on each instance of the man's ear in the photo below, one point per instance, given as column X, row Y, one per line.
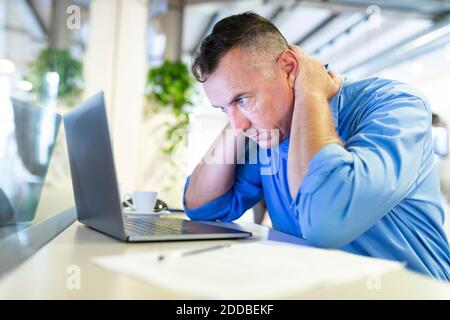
column 289, row 65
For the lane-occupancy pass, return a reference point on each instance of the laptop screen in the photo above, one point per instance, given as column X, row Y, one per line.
column 27, row 140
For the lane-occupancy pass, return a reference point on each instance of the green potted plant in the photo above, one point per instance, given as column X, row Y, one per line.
column 70, row 73
column 171, row 86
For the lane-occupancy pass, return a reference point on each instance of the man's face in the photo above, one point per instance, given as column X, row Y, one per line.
column 256, row 97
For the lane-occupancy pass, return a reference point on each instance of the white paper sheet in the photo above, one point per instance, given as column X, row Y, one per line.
column 249, row 271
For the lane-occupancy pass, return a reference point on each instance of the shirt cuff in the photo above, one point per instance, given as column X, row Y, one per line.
column 213, row 210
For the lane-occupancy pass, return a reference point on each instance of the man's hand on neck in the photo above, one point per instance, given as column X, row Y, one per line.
column 312, row 125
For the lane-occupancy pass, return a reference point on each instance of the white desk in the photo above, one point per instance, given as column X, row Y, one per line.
column 44, row 275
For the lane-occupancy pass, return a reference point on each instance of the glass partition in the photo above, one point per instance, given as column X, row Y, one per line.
column 27, row 141
column 42, row 47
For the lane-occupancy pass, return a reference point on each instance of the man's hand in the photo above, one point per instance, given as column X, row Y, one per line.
column 312, row 125
column 313, row 80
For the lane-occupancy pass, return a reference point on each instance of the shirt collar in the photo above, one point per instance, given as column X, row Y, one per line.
column 335, row 105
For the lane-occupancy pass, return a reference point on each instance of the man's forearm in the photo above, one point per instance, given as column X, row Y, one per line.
column 312, row 128
column 214, row 175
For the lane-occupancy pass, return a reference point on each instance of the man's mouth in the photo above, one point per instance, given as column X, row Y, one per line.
column 259, row 136
column 253, row 134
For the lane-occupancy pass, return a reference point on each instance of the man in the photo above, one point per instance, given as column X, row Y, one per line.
column 355, row 170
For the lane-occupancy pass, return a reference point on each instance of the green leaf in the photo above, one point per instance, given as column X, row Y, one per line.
column 70, row 73
column 171, row 86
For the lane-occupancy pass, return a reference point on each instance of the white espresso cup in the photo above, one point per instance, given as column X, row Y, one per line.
column 143, row 201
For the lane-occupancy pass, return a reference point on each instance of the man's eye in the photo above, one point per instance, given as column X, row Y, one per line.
column 241, row 101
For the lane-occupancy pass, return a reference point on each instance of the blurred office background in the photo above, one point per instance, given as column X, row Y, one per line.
column 55, row 53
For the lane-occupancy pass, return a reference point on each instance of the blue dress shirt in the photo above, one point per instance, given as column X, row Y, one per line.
column 376, row 196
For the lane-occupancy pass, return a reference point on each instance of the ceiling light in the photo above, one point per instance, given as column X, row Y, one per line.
column 24, row 85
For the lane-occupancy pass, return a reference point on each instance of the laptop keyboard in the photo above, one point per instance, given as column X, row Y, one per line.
column 152, row 226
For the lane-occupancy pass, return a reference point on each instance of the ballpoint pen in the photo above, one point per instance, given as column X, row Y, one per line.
column 162, row 257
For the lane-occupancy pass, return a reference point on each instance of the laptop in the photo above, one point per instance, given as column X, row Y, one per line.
column 96, row 189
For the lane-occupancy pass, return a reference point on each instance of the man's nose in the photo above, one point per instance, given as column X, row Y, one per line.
column 237, row 119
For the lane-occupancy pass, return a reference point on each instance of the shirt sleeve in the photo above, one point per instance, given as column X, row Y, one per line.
column 348, row 189
column 244, row 194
